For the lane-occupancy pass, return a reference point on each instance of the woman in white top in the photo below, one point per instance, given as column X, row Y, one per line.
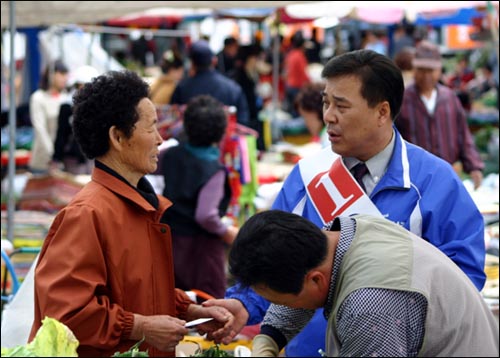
column 44, row 110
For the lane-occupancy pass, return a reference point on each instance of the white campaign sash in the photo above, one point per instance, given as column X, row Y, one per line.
column 332, row 188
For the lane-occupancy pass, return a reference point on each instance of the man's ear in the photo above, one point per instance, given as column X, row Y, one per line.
column 116, row 138
column 384, row 113
column 317, row 280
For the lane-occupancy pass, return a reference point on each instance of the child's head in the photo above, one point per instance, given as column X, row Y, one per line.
column 204, row 121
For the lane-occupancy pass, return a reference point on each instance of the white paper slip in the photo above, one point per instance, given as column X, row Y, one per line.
column 197, row 322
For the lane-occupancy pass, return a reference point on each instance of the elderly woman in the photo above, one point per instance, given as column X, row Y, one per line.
column 106, row 269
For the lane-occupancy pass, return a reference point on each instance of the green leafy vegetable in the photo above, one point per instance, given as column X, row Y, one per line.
column 133, row 351
column 213, row 351
column 53, row 339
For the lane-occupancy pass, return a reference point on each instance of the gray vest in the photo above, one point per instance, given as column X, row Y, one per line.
column 458, row 321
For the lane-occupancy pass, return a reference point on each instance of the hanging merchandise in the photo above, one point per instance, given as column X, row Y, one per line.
column 250, row 185
column 239, row 156
column 231, row 158
column 232, row 161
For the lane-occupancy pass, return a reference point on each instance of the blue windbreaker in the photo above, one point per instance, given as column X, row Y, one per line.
column 420, row 192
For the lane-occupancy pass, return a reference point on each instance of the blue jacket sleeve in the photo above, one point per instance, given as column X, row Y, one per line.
column 255, row 304
column 453, row 223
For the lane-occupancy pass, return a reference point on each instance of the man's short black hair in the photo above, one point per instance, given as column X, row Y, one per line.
column 230, row 41
column 381, row 80
column 276, row 249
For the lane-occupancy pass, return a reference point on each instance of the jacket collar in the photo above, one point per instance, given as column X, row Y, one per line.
column 125, row 190
column 398, row 170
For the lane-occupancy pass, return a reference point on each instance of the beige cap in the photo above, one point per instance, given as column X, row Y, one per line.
column 427, row 55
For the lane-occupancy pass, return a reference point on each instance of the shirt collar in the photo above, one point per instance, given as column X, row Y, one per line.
column 347, row 228
column 430, row 103
column 377, row 165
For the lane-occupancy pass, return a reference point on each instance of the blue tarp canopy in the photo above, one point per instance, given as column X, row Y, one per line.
column 458, row 17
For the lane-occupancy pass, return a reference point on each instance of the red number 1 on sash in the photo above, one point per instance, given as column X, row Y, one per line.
column 332, row 192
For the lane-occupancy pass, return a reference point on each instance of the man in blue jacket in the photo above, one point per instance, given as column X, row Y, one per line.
column 406, row 184
column 206, row 80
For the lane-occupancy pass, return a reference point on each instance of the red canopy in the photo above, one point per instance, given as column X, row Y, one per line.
column 145, row 21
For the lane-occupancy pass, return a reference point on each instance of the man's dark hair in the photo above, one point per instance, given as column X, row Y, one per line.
column 201, row 55
column 205, row 121
column 247, row 51
column 230, row 41
column 276, row 249
column 298, row 39
column 381, row 80
column 108, row 100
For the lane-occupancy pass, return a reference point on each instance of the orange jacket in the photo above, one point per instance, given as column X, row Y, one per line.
column 106, row 257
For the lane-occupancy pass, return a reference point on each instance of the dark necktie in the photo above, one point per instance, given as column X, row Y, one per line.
column 358, row 172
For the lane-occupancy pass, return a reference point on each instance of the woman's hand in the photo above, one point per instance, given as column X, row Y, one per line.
column 162, row 332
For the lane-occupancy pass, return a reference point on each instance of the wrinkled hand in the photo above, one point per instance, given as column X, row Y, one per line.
column 164, row 332
column 220, row 327
column 240, row 318
column 477, row 178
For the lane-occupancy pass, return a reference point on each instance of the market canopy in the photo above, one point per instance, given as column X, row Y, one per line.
column 462, row 16
column 160, row 17
column 381, row 12
column 166, row 17
column 45, row 13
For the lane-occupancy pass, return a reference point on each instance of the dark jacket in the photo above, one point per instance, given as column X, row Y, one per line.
column 65, row 144
column 211, row 82
column 186, row 175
